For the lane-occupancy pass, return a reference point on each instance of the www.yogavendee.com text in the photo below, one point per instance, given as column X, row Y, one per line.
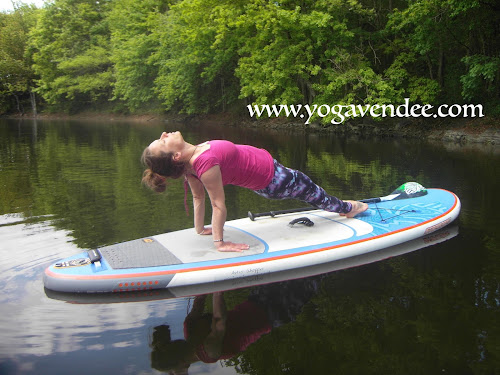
column 341, row 112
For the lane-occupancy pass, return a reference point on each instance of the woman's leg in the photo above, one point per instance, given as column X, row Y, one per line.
column 288, row 183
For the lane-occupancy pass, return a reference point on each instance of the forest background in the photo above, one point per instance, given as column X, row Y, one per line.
column 217, row 56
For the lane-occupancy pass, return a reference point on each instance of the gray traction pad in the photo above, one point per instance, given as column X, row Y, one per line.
column 144, row 252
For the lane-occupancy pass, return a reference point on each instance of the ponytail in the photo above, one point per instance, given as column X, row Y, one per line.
column 154, row 181
column 159, row 167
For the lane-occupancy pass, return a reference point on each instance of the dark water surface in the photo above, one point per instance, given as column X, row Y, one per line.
column 71, row 185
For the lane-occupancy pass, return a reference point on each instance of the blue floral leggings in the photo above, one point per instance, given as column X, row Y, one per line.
column 292, row 184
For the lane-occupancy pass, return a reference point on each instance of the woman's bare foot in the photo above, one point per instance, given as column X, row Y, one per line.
column 357, row 208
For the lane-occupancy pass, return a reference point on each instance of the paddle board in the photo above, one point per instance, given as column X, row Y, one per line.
column 434, row 238
column 284, row 242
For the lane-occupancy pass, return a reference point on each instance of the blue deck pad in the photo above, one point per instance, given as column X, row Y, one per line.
column 145, row 252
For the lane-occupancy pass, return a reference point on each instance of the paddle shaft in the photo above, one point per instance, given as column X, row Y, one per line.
column 253, row 216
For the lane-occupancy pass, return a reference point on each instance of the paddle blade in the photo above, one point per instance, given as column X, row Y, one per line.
column 409, row 190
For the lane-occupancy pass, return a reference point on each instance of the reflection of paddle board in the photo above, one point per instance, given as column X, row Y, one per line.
column 230, row 284
column 182, row 258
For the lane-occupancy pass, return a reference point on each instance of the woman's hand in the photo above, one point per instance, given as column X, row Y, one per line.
column 228, row 246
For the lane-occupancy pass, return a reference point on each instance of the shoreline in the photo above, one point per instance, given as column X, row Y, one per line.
column 471, row 132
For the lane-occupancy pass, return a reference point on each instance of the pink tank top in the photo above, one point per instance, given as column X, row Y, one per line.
column 240, row 165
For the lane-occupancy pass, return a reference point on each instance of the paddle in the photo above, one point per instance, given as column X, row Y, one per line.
column 405, row 191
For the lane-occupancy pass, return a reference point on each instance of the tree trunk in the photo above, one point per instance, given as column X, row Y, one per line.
column 33, row 103
column 429, row 65
column 18, row 105
column 440, row 72
column 223, row 93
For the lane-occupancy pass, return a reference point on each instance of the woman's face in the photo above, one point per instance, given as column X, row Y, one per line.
column 168, row 142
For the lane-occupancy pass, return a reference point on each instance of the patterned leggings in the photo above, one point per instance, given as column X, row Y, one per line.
column 291, row 184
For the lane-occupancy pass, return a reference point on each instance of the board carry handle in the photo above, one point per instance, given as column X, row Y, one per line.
column 405, row 191
column 94, row 256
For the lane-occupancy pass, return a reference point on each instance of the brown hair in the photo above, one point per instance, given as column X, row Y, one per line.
column 160, row 166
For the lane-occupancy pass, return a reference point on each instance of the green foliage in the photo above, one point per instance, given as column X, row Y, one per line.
column 311, row 53
column 482, row 79
column 16, row 73
column 279, row 53
column 133, row 43
column 85, row 74
column 200, row 56
column 71, row 47
column 197, row 55
column 452, row 42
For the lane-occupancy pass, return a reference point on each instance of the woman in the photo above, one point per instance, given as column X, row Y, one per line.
column 210, row 337
column 211, row 165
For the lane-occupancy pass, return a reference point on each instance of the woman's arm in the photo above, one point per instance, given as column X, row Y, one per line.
column 212, row 180
column 198, row 192
column 214, row 342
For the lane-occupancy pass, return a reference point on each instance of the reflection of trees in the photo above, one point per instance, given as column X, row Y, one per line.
column 216, row 329
column 397, row 316
column 405, row 315
column 87, row 175
column 394, row 317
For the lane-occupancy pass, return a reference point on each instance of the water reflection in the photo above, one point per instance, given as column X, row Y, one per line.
column 71, row 185
column 222, row 333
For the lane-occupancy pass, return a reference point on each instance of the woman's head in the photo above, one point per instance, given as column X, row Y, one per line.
column 167, row 355
column 161, row 158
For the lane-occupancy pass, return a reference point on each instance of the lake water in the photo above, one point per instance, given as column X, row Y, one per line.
column 72, row 185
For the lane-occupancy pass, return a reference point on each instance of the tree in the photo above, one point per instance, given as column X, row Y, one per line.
column 133, row 43
column 72, row 53
column 451, row 42
column 314, row 52
column 198, row 55
column 16, row 74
